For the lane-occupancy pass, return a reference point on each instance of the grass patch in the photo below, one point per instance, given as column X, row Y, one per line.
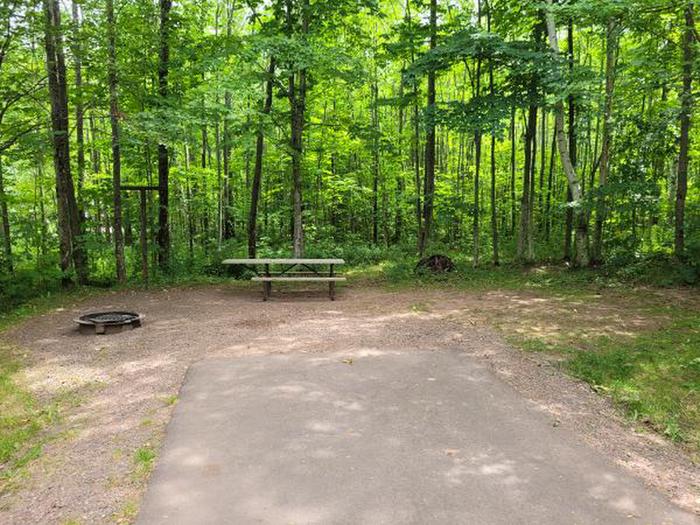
column 24, row 420
column 559, row 279
column 170, row 400
column 144, row 458
column 127, row 514
column 655, row 377
column 42, row 304
column 21, row 417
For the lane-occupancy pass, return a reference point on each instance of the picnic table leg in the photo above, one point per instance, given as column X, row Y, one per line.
column 331, row 284
column 267, row 286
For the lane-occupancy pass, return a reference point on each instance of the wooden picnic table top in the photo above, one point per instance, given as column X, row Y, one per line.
column 284, row 261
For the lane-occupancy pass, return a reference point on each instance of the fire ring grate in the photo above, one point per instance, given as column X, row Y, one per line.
column 108, row 322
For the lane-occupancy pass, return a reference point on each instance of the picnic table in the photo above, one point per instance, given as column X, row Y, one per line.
column 268, row 271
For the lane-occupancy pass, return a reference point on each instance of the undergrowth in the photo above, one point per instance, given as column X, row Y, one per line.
column 654, row 377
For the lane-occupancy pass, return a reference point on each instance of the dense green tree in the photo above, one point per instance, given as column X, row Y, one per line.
column 348, row 127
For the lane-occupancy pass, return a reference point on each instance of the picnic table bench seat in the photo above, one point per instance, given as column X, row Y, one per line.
column 268, row 280
column 289, row 274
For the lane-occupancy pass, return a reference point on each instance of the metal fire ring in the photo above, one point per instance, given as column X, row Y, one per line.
column 100, row 320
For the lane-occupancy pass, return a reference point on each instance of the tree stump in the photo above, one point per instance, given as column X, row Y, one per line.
column 435, row 264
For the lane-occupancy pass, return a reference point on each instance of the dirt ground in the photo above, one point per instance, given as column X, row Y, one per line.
column 123, row 385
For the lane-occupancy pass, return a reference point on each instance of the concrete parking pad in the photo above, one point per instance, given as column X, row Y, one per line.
column 379, row 437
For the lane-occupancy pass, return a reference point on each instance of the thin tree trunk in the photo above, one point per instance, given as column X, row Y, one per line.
column 219, row 184
column 494, row 211
column 543, row 166
column 116, row 143
column 613, row 35
column 229, row 220
column 398, row 226
column 5, row 216
column 79, row 111
column 550, row 177
column 569, row 220
column 581, row 257
column 477, row 156
column 375, row 160
column 525, row 248
column 512, row 171
column 257, row 170
column 297, row 102
column 429, row 181
column 163, row 161
column 415, row 141
column 686, row 114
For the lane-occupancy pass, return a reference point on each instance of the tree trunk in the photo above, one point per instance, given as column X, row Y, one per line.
column 5, row 216
column 429, row 180
column 257, row 170
column 71, row 245
column 375, row 159
column 686, row 113
column 297, row 103
column 228, row 198
column 581, row 257
column 229, row 219
column 613, row 34
column 163, row 161
column 494, row 211
column 79, row 111
column 525, row 248
column 550, row 182
column 398, row 225
column 512, row 172
column 569, row 220
column 477, row 156
column 116, row 143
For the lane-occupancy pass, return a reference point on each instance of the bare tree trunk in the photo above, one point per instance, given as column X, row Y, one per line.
column 512, row 171
column 398, row 225
column 163, row 161
column 116, row 143
column 70, row 236
column 581, row 257
column 429, row 181
column 5, row 216
column 569, row 220
column 79, row 110
column 415, row 140
column 525, row 248
column 297, row 102
column 204, row 163
column 613, row 35
column 543, row 166
column 686, row 113
column 374, row 117
column 219, row 184
column 257, row 170
column 550, row 181
column 477, row 156
column 229, row 220
column 494, row 211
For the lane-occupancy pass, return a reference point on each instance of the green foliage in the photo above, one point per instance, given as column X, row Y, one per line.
column 24, row 285
column 220, row 55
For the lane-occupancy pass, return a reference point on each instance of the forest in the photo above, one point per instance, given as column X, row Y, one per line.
column 143, row 139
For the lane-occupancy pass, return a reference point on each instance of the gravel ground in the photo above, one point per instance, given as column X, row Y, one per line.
column 122, row 385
